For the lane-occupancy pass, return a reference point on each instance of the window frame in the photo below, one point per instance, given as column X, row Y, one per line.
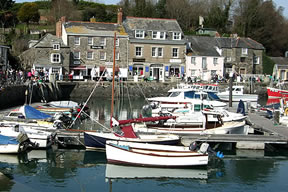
column 139, row 34
column 244, row 51
column 176, row 35
column 92, row 55
column 177, row 53
column 103, row 41
column 215, row 59
column 78, row 53
column 52, row 57
column 100, row 54
column 139, row 51
column 56, row 46
column 76, row 40
column 193, row 60
column 90, row 40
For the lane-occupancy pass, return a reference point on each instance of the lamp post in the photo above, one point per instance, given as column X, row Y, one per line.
column 230, row 88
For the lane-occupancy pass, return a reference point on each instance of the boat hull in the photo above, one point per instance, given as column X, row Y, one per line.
column 277, row 93
column 142, row 155
column 98, row 140
column 10, row 148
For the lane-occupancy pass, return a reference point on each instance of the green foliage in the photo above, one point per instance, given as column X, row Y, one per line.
column 28, row 12
column 268, row 65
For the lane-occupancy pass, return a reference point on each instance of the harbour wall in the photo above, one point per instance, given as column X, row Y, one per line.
column 15, row 95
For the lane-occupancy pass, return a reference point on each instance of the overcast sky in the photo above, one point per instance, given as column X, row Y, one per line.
column 283, row 3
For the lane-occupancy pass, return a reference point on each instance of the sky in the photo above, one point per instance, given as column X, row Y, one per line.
column 283, row 3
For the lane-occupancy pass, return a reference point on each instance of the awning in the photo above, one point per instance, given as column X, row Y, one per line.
column 80, row 67
column 102, row 68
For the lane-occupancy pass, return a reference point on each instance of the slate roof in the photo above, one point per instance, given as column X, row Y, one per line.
column 280, row 60
column 150, row 24
column 238, row 42
column 93, row 28
column 48, row 40
column 202, row 45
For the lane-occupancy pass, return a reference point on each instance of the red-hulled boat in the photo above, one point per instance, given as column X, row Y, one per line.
column 277, row 93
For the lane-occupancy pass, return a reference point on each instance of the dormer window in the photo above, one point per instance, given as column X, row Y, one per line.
column 139, row 34
column 176, row 36
column 56, row 46
column 158, row 35
column 244, row 51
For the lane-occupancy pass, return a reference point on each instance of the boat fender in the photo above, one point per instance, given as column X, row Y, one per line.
column 193, row 146
column 203, row 148
column 286, row 111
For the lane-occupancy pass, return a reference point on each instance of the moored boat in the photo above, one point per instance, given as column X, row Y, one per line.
column 154, row 155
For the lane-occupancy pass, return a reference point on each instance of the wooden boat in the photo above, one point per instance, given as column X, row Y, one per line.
column 154, row 155
column 132, row 172
column 277, row 92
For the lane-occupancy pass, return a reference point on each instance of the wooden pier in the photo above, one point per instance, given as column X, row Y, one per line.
column 272, row 134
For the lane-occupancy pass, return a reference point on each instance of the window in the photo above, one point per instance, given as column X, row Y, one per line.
column 139, row 34
column 193, row 60
column 157, row 51
column 117, row 42
column 89, row 55
column 55, row 58
column 102, row 55
column 215, row 61
column 193, row 72
column 158, row 35
column 138, row 51
column 103, row 41
column 56, row 46
column 228, row 59
column 76, row 55
column 256, row 60
column 244, row 51
column 77, row 40
column 175, row 52
column 204, row 63
column 90, row 40
column 117, row 56
column 176, row 36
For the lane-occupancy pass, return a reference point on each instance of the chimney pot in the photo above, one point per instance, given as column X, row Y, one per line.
column 119, row 16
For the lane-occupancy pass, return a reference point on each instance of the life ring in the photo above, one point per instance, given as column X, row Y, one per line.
column 286, row 111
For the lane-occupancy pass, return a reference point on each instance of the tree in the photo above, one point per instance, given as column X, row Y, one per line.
column 28, row 12
column 61, row 8
column 5, row 11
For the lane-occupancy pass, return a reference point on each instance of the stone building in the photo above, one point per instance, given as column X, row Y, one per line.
column 92, row 47
column 280, row 70
column 242, row 55
column 156, row 48
column 48, row 54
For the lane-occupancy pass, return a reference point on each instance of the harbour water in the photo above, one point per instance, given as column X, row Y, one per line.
column 74, row 170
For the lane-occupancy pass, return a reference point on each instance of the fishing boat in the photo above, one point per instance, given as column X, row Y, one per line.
column 277, row 92
column 237, row 95
column 155, row 155
column 131, row 172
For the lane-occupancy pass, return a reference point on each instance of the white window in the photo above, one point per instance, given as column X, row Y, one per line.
column 244, row 51
column 193, row 72
column 90, row 55
column 56, row 46
column 160, row 52
column 139, row 34
column 193, row 60
column 90, row 40
column 117, row 43
column 158, row 35
column 138, row 51
column 228, row 59
column 175, row 52
column 256, row 60
column 77, row 40
column 103, row 41
column 215, row 61
column 76, row 55
column 102, row 55
column 55, row 58
column 117, row 56
column 157, row 51
column 176, row 36
column 204, row 63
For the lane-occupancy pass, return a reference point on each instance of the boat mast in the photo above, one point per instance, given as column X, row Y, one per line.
column 113, row 80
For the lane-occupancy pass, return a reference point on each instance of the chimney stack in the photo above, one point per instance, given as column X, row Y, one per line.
column 119, row 16
column 59, row 26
